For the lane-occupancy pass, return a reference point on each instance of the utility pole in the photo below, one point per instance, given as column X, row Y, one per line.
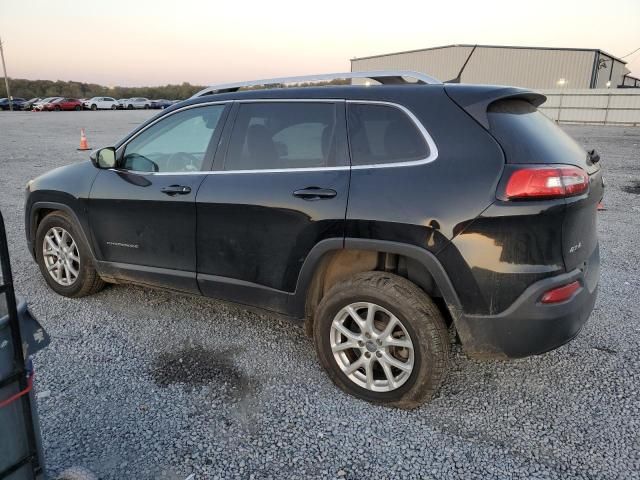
column 6, row 79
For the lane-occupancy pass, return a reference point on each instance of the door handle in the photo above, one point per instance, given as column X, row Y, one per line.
column 176, row 190
column 315, row 193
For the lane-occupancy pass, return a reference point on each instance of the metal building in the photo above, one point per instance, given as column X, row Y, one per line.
column 531, row 67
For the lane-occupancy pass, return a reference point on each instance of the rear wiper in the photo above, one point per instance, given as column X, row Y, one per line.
column 594, row 157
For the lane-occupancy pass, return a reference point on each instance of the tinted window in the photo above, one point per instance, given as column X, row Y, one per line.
column 527, row 136
column 283, row 135
column 177, row 143
column 383, row 134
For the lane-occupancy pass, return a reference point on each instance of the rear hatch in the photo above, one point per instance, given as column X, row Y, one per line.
column 528, row 137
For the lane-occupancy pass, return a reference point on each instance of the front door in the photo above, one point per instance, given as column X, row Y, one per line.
column 143, row 214
column 279, row 187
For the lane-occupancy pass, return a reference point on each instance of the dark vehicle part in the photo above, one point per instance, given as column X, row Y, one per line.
column 382, row 339
column 64, row 259
column 20, row 336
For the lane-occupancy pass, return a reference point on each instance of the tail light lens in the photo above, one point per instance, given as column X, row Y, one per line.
column 561, row 294
column 546, row 182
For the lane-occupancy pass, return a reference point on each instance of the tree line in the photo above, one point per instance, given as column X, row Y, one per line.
column 23, row 88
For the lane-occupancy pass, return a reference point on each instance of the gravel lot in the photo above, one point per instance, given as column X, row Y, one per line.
column 140, row 383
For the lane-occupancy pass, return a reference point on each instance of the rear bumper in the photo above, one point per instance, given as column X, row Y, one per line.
column 529, row 327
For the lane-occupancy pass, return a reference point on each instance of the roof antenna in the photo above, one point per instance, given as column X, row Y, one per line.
column 457, row 78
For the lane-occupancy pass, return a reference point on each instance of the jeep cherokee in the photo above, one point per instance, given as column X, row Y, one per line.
column 379, row 215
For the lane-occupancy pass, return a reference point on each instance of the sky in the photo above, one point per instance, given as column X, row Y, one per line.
column 145, row 42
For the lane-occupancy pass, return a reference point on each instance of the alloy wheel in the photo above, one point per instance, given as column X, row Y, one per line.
column 372, row 347
column 61, row 256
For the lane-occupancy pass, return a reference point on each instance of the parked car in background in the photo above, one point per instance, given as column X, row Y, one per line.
column 101, row 103
column 63, row 103
column 122, row 103
column 17, row 103
column 138, row 102
column 28, row 105
column 161, row 104
column 39, row 105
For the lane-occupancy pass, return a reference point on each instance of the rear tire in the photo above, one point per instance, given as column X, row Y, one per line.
column 419, row 340
column 78, row 108
column 56, row 108
column 67, row 265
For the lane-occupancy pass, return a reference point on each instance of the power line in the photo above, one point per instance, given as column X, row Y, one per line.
column 628, row 54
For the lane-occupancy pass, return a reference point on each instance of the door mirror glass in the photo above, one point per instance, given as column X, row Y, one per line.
column 104, row 158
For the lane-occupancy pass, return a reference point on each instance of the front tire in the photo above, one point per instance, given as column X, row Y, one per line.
column 94, row 107
column 382, row 339
column 64, row 258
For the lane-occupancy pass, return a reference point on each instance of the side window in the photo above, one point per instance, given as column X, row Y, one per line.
column 272, row 135
column 383, row 134
column 177, row 143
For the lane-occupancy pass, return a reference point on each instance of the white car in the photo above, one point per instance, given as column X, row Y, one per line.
column 39, row 105
column 138, row 102
column 101, row 103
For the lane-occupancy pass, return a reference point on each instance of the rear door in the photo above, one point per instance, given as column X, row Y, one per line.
column 143, row 214
column 279, row 187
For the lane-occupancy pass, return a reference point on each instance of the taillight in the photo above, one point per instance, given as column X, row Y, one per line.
column 546, row 182
column 561, row 294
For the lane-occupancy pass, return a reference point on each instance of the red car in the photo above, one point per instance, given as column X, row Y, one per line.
column 63, row 104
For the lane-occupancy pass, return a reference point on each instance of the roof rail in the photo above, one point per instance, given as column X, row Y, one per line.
column 384, row 77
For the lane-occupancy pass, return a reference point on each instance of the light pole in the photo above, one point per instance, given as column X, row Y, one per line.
column 562, row 83
column 6, row 79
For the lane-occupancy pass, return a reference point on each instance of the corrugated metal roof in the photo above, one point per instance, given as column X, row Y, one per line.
column 594, row 50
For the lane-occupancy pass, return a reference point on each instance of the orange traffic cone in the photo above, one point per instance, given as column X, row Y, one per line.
column 84, row 145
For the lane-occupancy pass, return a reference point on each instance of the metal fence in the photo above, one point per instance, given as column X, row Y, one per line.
column 603, row 107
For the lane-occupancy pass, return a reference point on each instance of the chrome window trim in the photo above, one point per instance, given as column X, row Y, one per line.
column 433, row 149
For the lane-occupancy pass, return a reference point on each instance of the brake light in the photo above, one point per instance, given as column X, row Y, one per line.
column 546, row 182
column 561, row 294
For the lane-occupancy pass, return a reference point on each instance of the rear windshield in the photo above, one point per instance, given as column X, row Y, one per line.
column 527, row 136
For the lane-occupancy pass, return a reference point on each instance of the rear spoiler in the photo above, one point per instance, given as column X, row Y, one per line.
column 475, row 99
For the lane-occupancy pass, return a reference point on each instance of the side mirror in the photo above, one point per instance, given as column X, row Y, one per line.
column 104, row 158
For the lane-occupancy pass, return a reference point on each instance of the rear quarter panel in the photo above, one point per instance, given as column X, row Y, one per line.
column 427, row 205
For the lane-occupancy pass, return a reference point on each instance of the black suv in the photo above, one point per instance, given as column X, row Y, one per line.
column 380, row 215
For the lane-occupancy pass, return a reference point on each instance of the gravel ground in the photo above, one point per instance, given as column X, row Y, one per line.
column 140, row 383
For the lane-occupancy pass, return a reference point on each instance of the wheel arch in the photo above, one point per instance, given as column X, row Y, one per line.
column 39, row 210
column 334, row 260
